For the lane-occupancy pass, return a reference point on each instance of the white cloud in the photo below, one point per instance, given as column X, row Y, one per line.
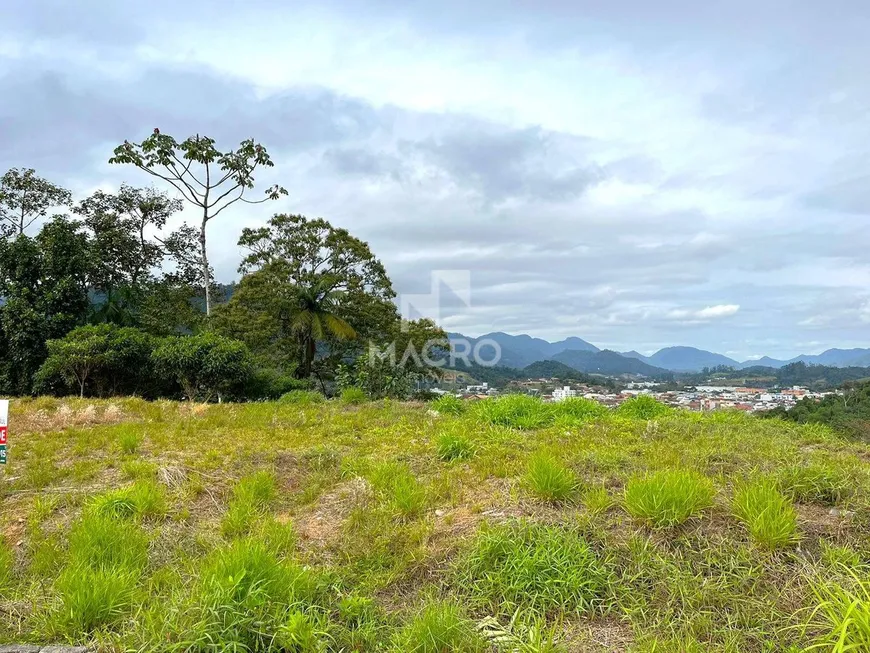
column 720, row 310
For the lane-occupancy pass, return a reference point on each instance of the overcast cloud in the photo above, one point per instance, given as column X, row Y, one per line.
column 637, row 174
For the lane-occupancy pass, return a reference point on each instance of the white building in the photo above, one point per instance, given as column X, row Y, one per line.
column 563, row 393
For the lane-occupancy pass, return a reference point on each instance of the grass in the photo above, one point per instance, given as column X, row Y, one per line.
column 302, row 397
column 842, row 616
column 353, row 396
column 668, row 497
column 514, row 411
column 509, row 524
column 448, row 405
column 454, row 446
column 767, row 513
column 437, row 628
column 533, row 568
column 643, row 407
column 550, row 479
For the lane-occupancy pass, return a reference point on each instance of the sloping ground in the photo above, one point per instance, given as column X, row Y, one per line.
column 318, row 526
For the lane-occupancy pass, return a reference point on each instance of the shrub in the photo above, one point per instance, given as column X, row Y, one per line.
column 643, row 407
column 204, row 364
column 668, row 497
column 549, row 478
column 535, row 568
column 515, row 411
column 268, row 383
column 767, row 513
column 448, row 405
column 353, row 395
column 815, row 483
column 438, row 628
column 576, row 410
column 302, row 397
column 453, row 446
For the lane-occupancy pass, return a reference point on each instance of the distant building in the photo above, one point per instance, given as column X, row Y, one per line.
column 565, row 392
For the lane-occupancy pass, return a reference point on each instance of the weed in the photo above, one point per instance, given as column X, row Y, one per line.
column 515, row 411
column 550, row 479
column 353, row 396
column 144, row 499
column 767, row 513
column 536, row 568
column 643, row 407
column 668, row 497
column 93, row 598
column 448, row 405
column 138, row 469
column 439, row 627
column 453, row 446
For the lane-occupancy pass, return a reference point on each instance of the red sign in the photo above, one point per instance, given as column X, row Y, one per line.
column 3, row 434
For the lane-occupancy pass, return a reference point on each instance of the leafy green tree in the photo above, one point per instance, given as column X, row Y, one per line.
column 43, row 281
column 205, row 365
column 295, row 263
column 24, row 198
column 210, row 179
column 109, row 359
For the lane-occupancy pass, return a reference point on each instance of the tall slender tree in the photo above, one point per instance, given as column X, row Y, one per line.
column 210, row 179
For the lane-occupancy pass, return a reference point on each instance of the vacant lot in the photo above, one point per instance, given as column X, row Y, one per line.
column 507, row 525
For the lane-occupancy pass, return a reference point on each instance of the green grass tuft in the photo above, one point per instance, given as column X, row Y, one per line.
column 353, row 396
column 453, row 446
column 550, row 479
column 816, row 483
column 534, row 568
column 577, row 410
column 448, row 405
column 7, row 561
column 252, row 496
column 643, row 407
column 439, row 628
column 129, row 440
column 842, row 615
column 668, row 497
column 396, row 484
column 767, row 513
column 515, row 411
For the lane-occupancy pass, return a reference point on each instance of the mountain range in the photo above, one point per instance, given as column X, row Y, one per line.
column 519, row 351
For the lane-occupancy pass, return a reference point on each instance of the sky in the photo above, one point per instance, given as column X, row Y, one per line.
column 636, row 174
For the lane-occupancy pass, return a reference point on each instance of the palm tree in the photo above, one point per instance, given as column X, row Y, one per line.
column 315, row 318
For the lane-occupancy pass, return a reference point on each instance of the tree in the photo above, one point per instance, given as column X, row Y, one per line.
column 315, row 318
column 217, row 181
column 43, row 282
column 296, row 268
column 204, row 365
column 113, row 360
column 24, row 198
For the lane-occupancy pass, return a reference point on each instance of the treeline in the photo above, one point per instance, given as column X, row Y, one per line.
column 848, row 412
column 816, row 377
column 100, row 298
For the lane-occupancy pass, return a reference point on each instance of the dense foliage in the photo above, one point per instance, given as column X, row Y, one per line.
column 848, row 412
column 98, row 298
